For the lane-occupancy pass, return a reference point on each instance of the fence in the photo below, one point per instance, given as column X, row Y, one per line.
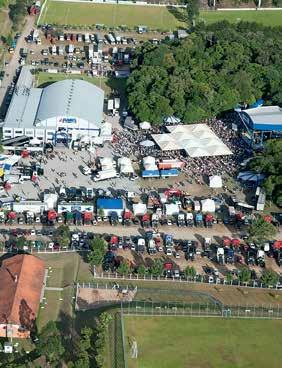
column 209, row 309
column 204, row 279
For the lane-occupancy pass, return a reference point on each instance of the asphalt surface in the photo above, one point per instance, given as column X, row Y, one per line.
column 10, row 69
column 216, row 232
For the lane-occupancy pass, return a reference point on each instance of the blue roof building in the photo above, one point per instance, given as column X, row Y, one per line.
column 110, row 205
column 261, row 123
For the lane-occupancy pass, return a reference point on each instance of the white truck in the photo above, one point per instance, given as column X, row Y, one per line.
column 106, row 174
column 54, row 50
column 117, row 103
column 189, row 219
column 90, row 51
column 110, row 106
column 61, row 50
column 86, row 38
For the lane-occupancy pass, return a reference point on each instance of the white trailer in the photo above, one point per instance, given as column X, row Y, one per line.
column 106, row 174
column 110, row 105
column 90, row 51
column 117, row 103
column 87, row 38
column 61, row 50
column 261, row 201
column 54, row 50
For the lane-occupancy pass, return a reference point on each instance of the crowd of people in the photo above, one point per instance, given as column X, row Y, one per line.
column 127, row 143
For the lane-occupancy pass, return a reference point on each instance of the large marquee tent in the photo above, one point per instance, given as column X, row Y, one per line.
column 197, row 140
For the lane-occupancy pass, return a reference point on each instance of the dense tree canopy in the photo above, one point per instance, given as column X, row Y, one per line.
column 211, row 71
column 270, row 163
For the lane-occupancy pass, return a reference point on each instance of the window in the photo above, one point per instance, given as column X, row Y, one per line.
column 7, row 130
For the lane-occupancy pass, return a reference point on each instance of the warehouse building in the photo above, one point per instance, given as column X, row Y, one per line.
column 61, row 112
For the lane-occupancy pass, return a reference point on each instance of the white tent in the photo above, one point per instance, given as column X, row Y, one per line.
column 198, row 140
column 106, row 163
column 139, row 209
column 149, row 163
column 145, row 125
column 172, row 120
column 50, row 201
column 208, row 205
column 171, row 209
column 215, row 181
column 125, row 165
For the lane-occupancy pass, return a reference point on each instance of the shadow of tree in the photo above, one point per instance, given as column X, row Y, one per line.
column 178, row 13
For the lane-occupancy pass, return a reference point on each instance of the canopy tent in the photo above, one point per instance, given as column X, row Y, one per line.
column 171, row 120
column 198, row 140
column 215, row 181
column 125, row 165
column 171, row 209
column 139, row 209
column 208, row 205
column 149, row 163
column 147, row 143
column 106, row 163
column 145, row 125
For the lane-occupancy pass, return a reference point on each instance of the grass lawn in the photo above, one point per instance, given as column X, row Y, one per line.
column 266, row 17
column 107, row 84
column 168, row 342
column 163, row 18
column 109, row 15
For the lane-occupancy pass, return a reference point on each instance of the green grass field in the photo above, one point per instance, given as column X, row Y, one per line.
column 172, row 342
column 267, row 17
column 154, row 17
column 110, row 15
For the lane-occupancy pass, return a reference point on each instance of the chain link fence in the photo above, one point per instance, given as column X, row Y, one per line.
column 208, row 309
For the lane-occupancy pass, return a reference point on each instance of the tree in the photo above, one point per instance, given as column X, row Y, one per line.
column 124, row 268
column 62, row 235
column 50, row 343
column 142, row 270
column 261, row 230
column 269, row 278
column 193, row 11
column 270, row 163
column 97, row 251
column 229, row 277
column 244, row 275
column 190, row 272
column 21, row 242
column 157, row 268
column 208, row 73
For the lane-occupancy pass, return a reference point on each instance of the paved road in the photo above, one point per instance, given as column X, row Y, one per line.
column 179, row 233
column 10, row 69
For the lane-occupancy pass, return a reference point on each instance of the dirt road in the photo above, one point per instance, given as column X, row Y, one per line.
column 10, row 69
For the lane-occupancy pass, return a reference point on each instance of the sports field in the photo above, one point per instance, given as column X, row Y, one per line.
column 172, row 342
column 108, row 14
column 79, row 14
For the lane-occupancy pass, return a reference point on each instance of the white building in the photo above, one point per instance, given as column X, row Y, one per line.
column 62, row 111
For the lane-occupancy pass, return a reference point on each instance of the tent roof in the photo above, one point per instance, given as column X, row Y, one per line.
column 145, row 125
column 196, row 139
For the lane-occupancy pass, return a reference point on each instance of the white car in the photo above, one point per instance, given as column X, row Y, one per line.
column 176, row 273
column 177, row 255
column 86, row 170
column 32, row 232
column 168, row 252
column 51, row 245
column 211, row 279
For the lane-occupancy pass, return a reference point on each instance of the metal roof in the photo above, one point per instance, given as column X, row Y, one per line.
column 72, row 98
column 23, row 107
column 265, row 117
column 110, row 203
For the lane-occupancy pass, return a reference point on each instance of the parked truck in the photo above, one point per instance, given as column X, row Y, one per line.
column 152, row 249
column 106, row 174
column 199, row 220
column 181, row 219
column 190, row 219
